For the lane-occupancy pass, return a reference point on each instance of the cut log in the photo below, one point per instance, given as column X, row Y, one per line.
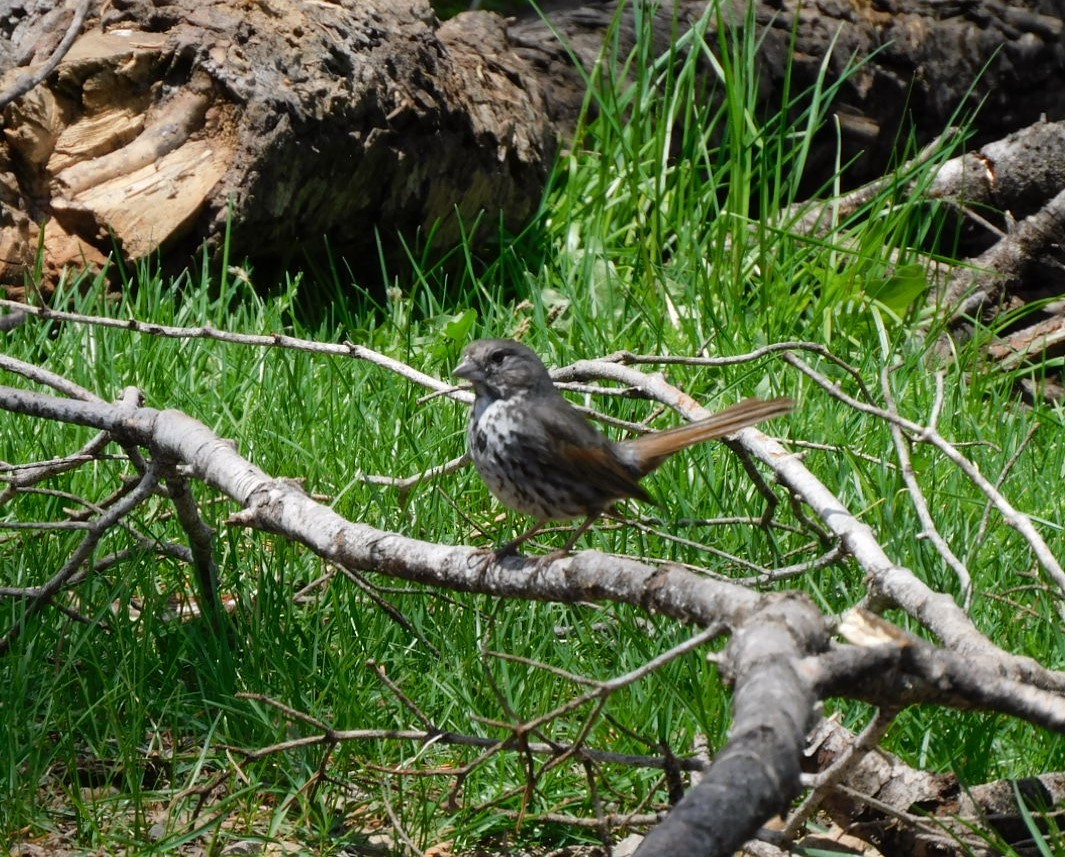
column 371, row 124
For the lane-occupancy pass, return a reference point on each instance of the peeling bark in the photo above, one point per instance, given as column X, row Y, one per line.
column 912, row 813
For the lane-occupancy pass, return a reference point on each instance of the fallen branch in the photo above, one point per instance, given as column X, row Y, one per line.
column 780, row 658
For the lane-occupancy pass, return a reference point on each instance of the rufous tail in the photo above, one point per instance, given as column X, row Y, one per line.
column 650, row 450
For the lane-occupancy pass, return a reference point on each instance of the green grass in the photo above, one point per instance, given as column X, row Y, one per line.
column 659, row 234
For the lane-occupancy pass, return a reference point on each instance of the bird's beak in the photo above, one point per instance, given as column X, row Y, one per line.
column 469, row 370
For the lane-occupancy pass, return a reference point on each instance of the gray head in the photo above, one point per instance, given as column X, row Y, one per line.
column 502, row 368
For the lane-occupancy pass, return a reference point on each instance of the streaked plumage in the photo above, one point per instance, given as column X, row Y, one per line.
column 540, row 456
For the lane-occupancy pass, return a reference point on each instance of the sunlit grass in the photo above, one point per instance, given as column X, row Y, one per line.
column 661, row 233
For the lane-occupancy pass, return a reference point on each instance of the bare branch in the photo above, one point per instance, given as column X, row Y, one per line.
column 99, row 528
column 756, row 774
column 936, row 611
column 277, row 340
column 406, row 483
column 779, row 658
column 981, row 531
column 201, row 541
column 819, row 218
column 892, row 669
column 328, row 735
column 390, row 609
column 40, row 375
column 1021, row 523
column 24, row 476
column 920, row 505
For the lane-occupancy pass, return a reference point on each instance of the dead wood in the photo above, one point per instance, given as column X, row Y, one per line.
column 784, row 657
column 779, row 658
column 1017, row 185
column 362, row 120
column 913, row 813
column 1010, row 192
column 773, row 707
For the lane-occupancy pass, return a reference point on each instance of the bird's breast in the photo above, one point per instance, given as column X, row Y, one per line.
column 496, row 433
column 507, row 451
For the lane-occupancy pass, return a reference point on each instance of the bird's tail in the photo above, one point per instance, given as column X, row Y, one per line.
column 650, row 450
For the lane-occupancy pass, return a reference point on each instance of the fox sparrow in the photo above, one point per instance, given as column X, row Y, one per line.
column 541, row 456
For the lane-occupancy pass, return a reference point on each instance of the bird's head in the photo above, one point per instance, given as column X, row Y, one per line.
column 503, row 368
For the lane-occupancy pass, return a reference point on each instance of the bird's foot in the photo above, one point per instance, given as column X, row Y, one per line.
column 486, row 556
column 548, row 558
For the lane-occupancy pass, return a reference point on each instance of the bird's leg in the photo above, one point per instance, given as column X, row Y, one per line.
column 511, row 547
column 546, row 559
column 570, row 542
column 580, row 531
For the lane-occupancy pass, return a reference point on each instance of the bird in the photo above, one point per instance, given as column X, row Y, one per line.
column 542, row 457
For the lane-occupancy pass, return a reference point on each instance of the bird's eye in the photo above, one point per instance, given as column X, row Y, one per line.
column 496, row 357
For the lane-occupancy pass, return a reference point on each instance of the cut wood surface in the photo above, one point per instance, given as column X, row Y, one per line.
column 369, row 121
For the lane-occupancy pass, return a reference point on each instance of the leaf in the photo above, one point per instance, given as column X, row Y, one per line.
column 899, row 291
column 455, row 334
column 458, row 329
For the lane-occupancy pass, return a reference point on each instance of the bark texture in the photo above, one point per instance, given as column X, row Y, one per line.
column 925, row 61
column 295, row 120
column 371, row 123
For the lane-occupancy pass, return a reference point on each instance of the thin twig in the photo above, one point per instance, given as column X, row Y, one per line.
column 276, row 340
column 45, row 526
column 807, row 218
column 407, row 702
column 26, row 82
column 1020, row 522
column 701, row 546
column 798, row 443
column 866, row 742
column 329, row 735
column 390, row 609
column 25, row 475
column 405, row 483
column 911, row 820
column 540, row 665
column 603, row 689
column 829, row 558
column 627, row 358
column 83, row 552
column 985, row 518
column 397, row 825
column 616, row 821
column 929, row 530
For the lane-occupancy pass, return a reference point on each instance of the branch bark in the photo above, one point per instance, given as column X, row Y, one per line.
column 780, row 658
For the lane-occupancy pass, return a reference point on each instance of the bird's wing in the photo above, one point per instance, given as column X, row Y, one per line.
column 570, row 439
